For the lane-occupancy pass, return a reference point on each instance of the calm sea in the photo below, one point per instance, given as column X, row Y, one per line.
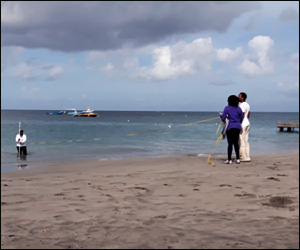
column 55, row 139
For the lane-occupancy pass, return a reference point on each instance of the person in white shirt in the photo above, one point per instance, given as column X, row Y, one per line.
column 21, row 143
column 244, row 135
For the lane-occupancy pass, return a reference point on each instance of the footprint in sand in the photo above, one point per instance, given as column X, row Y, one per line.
column 160, row 217
column 225, row 185
column 273, row 178
column 273, row 168
column 59, row 194
column 141, row 190
column 246, row 195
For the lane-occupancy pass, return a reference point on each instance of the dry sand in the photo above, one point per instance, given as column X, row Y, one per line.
column 160, row 203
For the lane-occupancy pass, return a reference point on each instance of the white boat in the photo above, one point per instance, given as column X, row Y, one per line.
column 55, row 112
column 75, row 112
column 86, row 113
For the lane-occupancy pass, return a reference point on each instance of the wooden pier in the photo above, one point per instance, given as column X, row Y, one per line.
column 290, row 126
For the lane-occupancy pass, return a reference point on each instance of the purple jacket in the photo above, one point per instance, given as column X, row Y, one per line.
column 234, row 115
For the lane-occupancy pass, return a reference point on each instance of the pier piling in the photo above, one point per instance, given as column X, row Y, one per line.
column 290, row 126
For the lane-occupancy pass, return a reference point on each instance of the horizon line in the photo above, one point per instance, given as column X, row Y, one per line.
column 115, row 110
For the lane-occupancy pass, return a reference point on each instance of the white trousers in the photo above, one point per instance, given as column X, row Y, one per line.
column 244, row 144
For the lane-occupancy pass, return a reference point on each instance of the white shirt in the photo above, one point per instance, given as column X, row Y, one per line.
column 22, row 142
column 246, row 109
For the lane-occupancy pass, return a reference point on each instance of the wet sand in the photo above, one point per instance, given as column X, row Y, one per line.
column 160, row 203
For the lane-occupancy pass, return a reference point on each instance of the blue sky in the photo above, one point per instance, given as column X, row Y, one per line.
column 152, row 56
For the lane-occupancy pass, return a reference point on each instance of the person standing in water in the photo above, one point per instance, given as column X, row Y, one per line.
column 21, row 139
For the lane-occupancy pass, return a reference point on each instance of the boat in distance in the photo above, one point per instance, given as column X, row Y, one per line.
column 75, row 112
column 86, row 115
column 55, row 113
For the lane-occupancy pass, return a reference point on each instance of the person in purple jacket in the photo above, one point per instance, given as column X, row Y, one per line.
column 235, row 116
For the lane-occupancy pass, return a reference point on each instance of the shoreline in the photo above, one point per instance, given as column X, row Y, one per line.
column 50, row 163
column 162, row 202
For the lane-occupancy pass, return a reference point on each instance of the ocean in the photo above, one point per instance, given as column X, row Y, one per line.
column 55, row 139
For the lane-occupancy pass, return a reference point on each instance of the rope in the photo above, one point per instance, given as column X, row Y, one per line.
column 216, row 145
column 188, row 124
column 155, row 130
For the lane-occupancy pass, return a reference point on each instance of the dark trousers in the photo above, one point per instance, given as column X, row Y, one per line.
column 233, row 140
column 23, row 150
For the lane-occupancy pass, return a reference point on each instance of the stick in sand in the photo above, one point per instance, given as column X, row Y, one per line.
column 19, row 149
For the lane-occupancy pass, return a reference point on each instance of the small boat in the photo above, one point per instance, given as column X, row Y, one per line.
column 86, row 115
column 75, row 112
column 88, row 111
column 54, row 112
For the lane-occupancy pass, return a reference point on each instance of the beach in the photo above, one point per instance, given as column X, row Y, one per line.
column 161, row 203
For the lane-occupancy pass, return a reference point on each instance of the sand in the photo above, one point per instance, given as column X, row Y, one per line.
column 161, row 203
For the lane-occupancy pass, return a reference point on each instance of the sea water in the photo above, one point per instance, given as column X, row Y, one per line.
column 55, row 139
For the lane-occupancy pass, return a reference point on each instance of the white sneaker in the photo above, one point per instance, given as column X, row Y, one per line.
column 228, row 162
column 237, row 161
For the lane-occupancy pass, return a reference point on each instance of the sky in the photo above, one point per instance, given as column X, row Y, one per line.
column 149, row 56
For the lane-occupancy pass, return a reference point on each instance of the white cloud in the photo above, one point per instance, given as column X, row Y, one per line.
column 30, row 71
column 108, row 67
column 228, row 55
column 109, row 70
column 170, row 62
column 250, row 68
column 162, row 68
column 25, row 71
column 258, row 62
column 55, row 71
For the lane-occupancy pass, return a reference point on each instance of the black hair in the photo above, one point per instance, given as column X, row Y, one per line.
column 21, row 131
column 233, row 100
column 244, row 95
